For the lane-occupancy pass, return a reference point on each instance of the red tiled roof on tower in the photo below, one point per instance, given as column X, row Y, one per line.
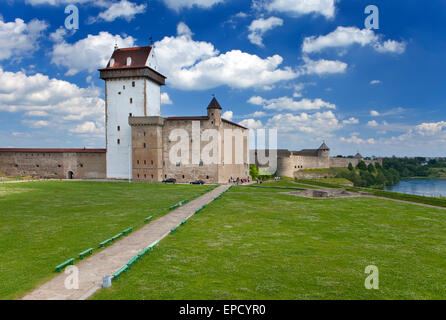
column 129, row 58
column 131, row 63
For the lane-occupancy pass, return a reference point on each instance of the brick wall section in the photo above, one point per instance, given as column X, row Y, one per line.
column 147, row 145
column 53, row 163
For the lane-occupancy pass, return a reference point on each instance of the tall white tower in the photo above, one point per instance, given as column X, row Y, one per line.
column 132, row 88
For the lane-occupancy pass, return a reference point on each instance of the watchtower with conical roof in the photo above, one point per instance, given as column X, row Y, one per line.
column 324, row 151
column 214, row 112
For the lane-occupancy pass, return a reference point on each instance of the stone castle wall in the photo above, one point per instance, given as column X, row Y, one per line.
column 287, row 166
column 76, row 164
column 344, row 162
column 186, row 172
column 290, row 162
column 240, row 148
column 152, row 144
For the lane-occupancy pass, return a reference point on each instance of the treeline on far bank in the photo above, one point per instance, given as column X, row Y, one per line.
column 392, row 171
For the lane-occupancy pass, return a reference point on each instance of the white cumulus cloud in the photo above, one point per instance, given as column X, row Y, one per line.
column 323, row 66
column 430, row 128
column 18, row 38
column 228, row 115
column 62, row 2
column 60, row 103
column 165, row 99
column 123, row 9
column 260, row 26
column 372, row 123
column 88, row 54
column 286, row 103
column 320, row 124
column 197, row 65
column 325, row 8
column 251, row 123
column 344, row 37
column 89, row 127
column 180, row 4
column 350, row 121
column 36, row 123
column 259, row 114
column 354, row 139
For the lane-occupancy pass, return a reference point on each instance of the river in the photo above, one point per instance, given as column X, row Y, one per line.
column 421, row 187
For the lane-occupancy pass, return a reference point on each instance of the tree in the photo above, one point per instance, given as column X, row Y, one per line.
column 350, row 167
column 362, row 166
column 367, row 178
column 381, row 179
column 254, row 171
column 371, row 168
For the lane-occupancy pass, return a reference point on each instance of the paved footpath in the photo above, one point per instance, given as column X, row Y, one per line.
column 111, row 259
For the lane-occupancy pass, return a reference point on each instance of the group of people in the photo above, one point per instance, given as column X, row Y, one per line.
column 248, row 180
column 239, row 181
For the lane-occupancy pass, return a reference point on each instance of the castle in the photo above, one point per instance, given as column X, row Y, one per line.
column 141, row 145
column 289, row 163
column 139, row 141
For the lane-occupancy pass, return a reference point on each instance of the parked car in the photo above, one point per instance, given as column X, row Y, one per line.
column 171, row 180
column 197, row 182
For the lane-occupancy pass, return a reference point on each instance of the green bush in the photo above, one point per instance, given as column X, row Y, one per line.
column 254, row 171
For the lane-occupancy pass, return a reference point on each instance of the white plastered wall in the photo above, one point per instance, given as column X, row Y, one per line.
column 119, row 107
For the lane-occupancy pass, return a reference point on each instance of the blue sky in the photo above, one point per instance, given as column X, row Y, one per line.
column 308, row 68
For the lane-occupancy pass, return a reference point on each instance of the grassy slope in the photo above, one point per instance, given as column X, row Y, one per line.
column 319, row 183
column 433, row 201
column 285, row 247
column 43, row 224
column 285, row 184
column 341, row 181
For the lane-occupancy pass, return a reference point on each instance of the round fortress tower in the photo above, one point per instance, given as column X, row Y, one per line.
column 324, row 151
column 214, row 112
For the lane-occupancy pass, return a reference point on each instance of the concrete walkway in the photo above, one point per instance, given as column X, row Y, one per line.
column 111, row 259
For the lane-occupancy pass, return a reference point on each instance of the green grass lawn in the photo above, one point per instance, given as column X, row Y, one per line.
column 18, row 178
column 284, row 184
column 319, row 183
column 340, row 181
column 42, row 224
column 337, row 183
column 254, row 244
column 433, row 201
